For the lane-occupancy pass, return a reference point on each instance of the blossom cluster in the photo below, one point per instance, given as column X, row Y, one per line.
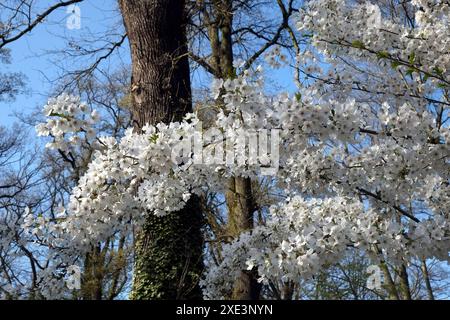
column 135, row 175
column 304, row 236
column 405, row 63
column 67, row 120
column 368, row 170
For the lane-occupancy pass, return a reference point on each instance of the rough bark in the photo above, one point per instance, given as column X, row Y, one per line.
column 168, row 251
column 160, row 83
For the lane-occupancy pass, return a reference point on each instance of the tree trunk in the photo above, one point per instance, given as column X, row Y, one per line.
column 389, row 282
column 404, row 283
column 287, row 290
column 92, row 285
column 238, row 193
column 168, row 251
column 240, row 219
column 426, row 277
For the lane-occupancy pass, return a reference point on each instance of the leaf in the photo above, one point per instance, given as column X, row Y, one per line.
column 395, row 64
column 410, row 71
column 438, row 71
column 383, row 55
column 412, row 58
column 154, row 138
column 358, row 44
column 55, row 114
column 298, row 96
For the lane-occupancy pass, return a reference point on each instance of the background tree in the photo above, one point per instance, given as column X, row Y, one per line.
column 221, row 32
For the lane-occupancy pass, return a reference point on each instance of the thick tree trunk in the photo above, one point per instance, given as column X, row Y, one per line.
column 168, row 251
column 160, row 87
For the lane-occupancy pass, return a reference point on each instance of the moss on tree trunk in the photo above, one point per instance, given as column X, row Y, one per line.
column 168, row 262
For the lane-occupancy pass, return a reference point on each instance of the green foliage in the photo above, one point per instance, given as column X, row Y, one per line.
column 412, row 58
column 383, row 55
column 358, row 44
column 395, row 64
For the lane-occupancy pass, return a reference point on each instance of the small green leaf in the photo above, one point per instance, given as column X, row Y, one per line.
column 383, row 55
column 395, row 64
column 410, row 71
column 55, row 114
column 154, row 138
column 438, row 71
column 298, row 96
column 412, row 58
column 358, row 44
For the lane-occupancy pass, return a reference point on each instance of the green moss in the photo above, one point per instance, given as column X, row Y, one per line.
column 169, row 260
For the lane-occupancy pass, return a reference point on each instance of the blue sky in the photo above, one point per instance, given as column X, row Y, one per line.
column 29, row 54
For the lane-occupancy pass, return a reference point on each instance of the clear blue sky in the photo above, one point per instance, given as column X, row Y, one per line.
column 29, row 53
